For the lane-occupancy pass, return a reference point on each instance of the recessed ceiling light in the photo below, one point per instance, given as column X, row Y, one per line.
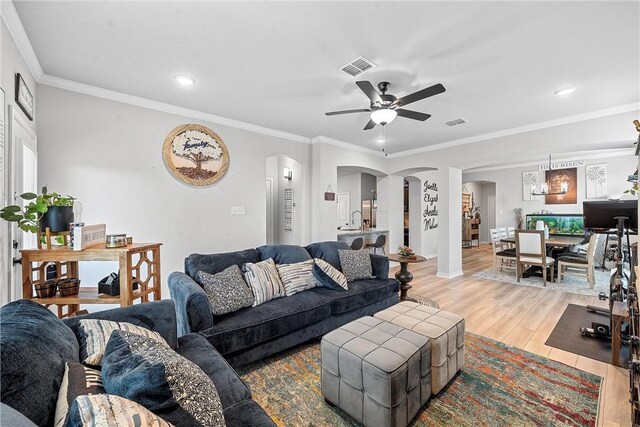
column 185, row 80
column 564, row 91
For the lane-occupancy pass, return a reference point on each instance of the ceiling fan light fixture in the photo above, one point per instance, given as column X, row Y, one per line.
column 384, row 116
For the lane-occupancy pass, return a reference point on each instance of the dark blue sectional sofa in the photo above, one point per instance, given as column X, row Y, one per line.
column 36, row 345
column 257, row 332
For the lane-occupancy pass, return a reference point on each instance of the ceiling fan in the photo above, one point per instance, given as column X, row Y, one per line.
column 384, row 108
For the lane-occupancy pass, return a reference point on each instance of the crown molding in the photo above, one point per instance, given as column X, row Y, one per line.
column 14, row 25
column 522, row 129
column 124, row 98
column 602, row 154
column 346, row 145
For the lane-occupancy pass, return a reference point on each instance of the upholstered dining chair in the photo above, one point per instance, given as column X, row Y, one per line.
column 531, row 250
column 505, row 257
column 357, row 243
column 581, row 264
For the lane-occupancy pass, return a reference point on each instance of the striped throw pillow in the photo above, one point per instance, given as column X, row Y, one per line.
column 94, row 335
column 111, row 410
column 328, row 276
column 262, row 277
column 297, row 277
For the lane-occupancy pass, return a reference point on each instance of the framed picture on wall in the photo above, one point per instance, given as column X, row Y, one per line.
column 24, row 99
column 596, row 179
column 195, row 155
column 530, row 183
column 555, row 178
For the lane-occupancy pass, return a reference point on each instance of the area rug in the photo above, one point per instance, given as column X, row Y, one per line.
column 566, row 335
column 499, row 385
column 570, row 283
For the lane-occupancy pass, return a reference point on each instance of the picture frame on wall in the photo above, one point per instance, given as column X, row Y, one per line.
column 530, row 181
column 596, row 180
column 24, row 98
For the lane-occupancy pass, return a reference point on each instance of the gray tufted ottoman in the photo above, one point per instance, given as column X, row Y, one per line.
column 446, row 331
column 377, row 372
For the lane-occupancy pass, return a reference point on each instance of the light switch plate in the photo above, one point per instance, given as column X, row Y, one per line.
column 237, row 210
column 500, row 212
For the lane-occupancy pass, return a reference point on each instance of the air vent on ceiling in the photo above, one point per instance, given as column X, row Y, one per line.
column 455, row 122
column 357, row 66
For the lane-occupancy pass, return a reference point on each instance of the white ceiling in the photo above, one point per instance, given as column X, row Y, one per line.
column 275, row 64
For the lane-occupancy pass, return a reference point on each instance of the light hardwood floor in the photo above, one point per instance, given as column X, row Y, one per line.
column 520, row 316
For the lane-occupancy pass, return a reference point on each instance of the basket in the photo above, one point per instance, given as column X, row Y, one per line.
column 46, row 289
column 69, row 287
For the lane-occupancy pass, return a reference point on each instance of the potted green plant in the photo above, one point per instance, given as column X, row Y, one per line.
column 44, row 210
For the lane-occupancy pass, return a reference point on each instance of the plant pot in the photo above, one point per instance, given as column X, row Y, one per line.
column 57, row 218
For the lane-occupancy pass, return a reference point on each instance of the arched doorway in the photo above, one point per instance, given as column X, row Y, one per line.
column 285, row 201
column 482, row 194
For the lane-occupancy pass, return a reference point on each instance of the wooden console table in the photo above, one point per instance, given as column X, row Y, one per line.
column 139, row 263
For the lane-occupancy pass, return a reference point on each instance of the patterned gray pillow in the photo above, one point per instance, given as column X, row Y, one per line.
column 227, row 291
column 355, row 264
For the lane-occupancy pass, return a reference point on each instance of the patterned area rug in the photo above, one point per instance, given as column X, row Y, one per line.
column 499, row 386
column 570, row 283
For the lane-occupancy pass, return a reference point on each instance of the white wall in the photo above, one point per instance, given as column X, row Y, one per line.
column 109, row 155
column 509, row 188
column 297, row 182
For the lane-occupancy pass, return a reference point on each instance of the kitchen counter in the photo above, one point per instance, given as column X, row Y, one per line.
column 362, row 233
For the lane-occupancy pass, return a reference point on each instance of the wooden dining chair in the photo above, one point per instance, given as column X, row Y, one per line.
column 581, row 264
column 504, row 235
column 504, row 257
column 511, row 231
column 493, row 232
column 531, row 250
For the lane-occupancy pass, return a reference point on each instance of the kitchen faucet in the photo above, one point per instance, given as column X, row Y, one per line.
column 352, row 214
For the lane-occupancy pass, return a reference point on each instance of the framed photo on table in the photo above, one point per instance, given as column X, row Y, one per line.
column 24, row 99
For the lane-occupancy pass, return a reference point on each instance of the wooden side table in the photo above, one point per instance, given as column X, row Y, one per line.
column 139, row 264
column 619, row 314
column 404, row 276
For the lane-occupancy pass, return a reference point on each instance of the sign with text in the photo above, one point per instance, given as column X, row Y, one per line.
column 430, row 214
column 562, row 165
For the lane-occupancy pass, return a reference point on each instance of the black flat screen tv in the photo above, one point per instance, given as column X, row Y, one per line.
column 600, row 214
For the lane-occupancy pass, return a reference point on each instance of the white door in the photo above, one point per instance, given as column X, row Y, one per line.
column 22, row 179
column 344, row 202
column 491, row 211
column 269, row 211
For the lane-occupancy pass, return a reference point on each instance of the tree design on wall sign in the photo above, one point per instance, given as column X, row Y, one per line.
column 596, row 180
column 529, row 183
column 195, row 154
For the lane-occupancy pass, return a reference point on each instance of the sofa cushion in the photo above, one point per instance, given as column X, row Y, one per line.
column 329, row 277
column 229, row 385
column 297, row 277
column 150, row 373
column 264, row 281
column 360, row 294
column 250, row 326
column 215, row 263
column 36, row 346
column 327, row 251
column 283, row 254
column 226, row 291
column 93, row 335
column 247, row 413
column 108, row 409
column 355, row 264
column 78, row 380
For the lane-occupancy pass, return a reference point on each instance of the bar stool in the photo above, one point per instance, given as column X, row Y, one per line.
column 357, row 243
column 381, row 240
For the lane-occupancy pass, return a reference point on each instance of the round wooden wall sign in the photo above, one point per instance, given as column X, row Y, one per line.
column 195, row 154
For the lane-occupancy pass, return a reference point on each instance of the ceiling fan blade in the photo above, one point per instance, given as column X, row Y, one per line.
column 410, row 114
column 369, row 90
column 370, row 125
column 421, row 94
column 335, row 113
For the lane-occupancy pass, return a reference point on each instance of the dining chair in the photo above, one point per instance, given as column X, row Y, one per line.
column 500, row 244
column 511, row 231
column 506, row 257
column 357, row 243
column 504, row 235
column 379, row 243
column 531, row 250
column 581, row 264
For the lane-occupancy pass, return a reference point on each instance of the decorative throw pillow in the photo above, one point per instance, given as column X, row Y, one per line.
column 78, row 380
column 328, row 276
column 152, row 374
column 227, row 290
column 262, row 277
column 356, row 264
column 110, row 410
column 94, row 334
column 297, row 277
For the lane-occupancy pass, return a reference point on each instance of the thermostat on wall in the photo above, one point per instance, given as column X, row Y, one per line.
column 237, row 210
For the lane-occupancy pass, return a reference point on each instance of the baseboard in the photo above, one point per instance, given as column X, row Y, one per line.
column 449, row 275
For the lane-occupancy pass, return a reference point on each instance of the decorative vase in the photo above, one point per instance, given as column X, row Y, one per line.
column 57, row 218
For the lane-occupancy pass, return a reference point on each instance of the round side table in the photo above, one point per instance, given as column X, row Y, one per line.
column 404, row 276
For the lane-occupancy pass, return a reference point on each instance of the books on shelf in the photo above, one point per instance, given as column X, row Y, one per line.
column 82, row 236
